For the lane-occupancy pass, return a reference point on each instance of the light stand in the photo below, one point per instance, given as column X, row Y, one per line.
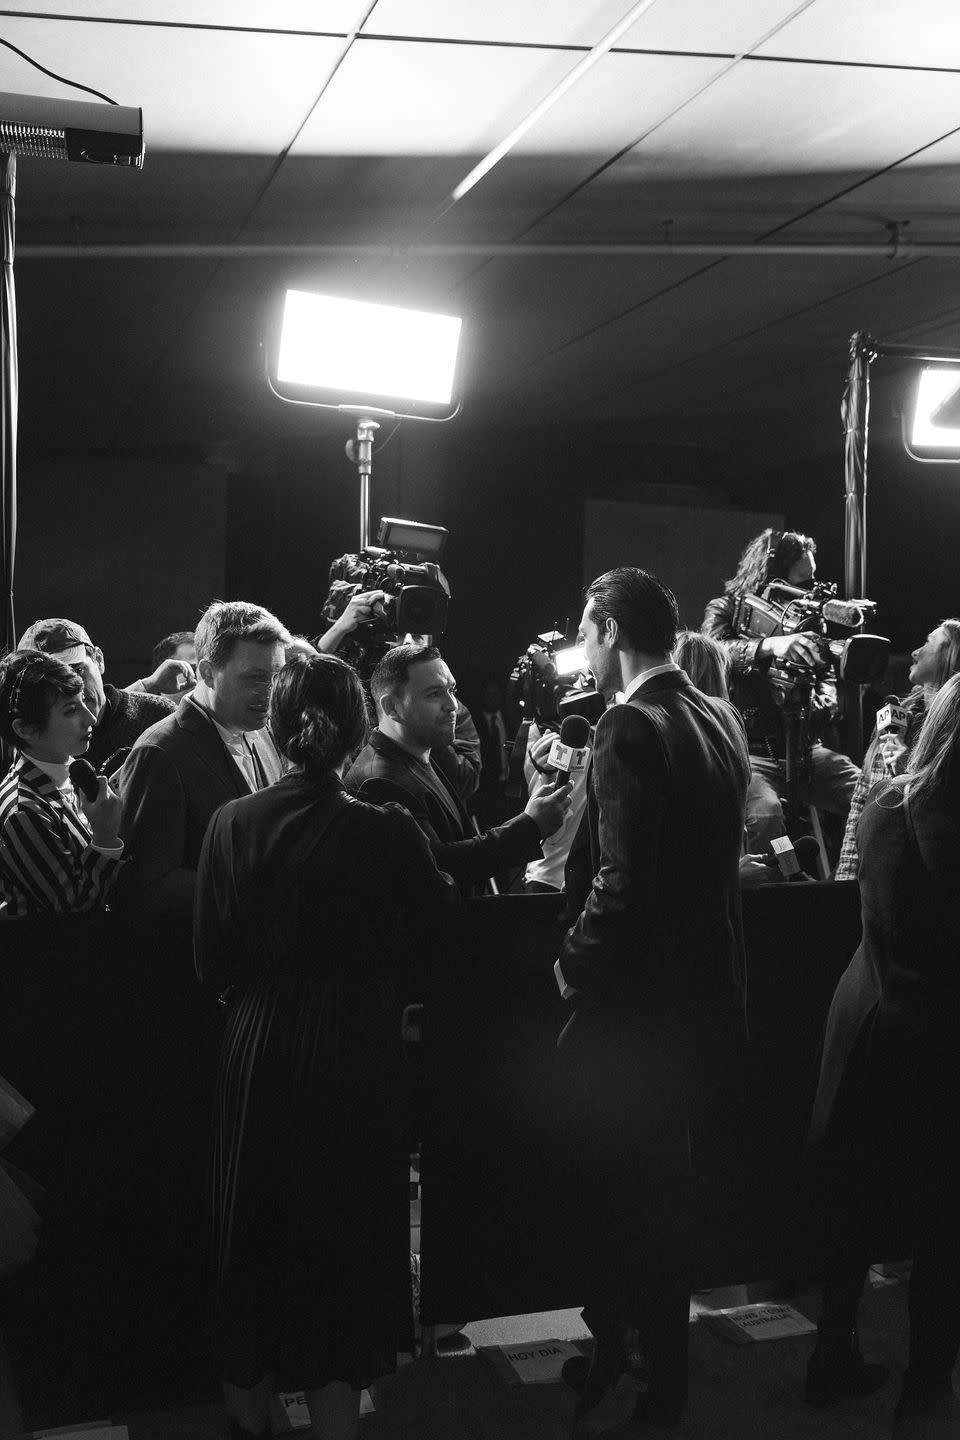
column 360, row 451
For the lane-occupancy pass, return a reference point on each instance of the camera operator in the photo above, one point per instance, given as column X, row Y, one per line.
column 829, row 777
column 360, row 609
column 415, row 695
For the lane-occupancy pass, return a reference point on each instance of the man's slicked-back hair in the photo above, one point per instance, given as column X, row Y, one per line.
column 393, row 671
column 225, row 623
column 644, row 609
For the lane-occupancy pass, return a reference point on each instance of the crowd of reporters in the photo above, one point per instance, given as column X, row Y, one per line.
column 250, row 783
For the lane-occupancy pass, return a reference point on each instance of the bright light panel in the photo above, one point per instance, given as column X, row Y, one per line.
column 935, row 388
column 570, row 662
column 360, row 348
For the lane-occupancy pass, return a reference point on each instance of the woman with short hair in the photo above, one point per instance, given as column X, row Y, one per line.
column 59, row 852
column 308, row 904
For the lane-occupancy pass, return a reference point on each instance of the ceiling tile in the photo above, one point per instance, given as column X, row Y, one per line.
column 696, row 25
column 389, row 99
column 773, row 118
column 879, row 32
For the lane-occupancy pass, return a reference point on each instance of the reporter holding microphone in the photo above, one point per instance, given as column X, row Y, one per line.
column 898, row 727
column 550, row 760
column 60, row 852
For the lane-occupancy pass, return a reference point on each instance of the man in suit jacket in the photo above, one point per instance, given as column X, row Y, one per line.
column 415, row 695
column 213, row 748
column 654, row 967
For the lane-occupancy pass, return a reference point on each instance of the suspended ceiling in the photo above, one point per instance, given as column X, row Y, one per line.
column 347, row 124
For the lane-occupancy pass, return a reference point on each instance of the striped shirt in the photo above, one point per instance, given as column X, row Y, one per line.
column 48, row 862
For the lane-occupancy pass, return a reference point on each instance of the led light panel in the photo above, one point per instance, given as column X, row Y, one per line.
column 336, row 351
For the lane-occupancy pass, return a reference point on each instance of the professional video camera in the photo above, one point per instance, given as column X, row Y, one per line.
column 837, row 627
column 845, row 653
column 416, row 590
column 551, row 681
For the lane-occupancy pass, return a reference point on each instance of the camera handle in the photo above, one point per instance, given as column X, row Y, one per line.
column 360, row 450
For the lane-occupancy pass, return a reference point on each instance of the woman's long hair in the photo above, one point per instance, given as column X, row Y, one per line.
column 705, row 661
column 948, row 661
column 770, row 556
column 318, row 713
column 933, row 764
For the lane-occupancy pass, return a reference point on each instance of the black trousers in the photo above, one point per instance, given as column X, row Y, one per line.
column 628, row 1192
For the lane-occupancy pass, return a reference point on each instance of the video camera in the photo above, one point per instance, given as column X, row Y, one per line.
column 417, row 592
column 551, row 681
column 837, row 626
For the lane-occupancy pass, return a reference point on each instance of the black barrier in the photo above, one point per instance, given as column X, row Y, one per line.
column 493, row 1240
column 105, row 1031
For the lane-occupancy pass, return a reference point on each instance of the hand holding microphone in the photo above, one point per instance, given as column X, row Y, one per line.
column 101, row 804
column 568, row 755
column 892, row 721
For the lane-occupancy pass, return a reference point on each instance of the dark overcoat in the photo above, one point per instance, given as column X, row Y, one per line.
column 890, row 1077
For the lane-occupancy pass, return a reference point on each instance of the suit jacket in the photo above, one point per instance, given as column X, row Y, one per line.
column 177, row 774
column 659, row 941
column 384, row 771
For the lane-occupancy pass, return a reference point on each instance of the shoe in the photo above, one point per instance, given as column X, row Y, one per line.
column 614, row 1388
column 928, row 1395
column 836, row 1368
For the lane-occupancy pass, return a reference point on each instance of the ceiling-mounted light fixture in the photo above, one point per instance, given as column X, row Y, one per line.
column 54, row 129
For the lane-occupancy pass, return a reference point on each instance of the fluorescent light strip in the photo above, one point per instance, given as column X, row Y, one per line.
column 557, row 93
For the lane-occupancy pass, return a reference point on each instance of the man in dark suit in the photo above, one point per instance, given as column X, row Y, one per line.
column 213, row 748
column 654, row 967
column 415, row 695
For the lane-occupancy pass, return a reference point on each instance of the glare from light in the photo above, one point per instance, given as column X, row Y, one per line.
column 935, row 388
column 358, row 348
column 549, row 100
column 572, row 661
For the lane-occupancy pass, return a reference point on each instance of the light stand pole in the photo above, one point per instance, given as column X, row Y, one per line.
column 360, row 451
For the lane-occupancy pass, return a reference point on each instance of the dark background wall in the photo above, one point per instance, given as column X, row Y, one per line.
column 131, row 547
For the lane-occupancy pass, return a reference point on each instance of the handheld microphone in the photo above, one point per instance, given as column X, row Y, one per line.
column 569, row 752
column 84, row 778
column 892, row 719
column 799, row 862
